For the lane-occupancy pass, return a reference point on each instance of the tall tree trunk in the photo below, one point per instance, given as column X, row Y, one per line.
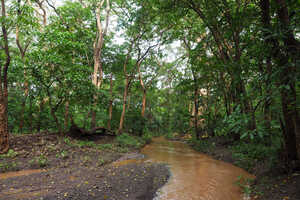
column 126, row 87
column 41, row 109
column 268, row 101
column 98, row 44
column 196, row 103
column 66, row 122
column 30, row 116
column 22, row 50
column 288, row 69
column 288, row 92
column 143, row 89
column 127, row 82
column 4, row 136
column 110, row 107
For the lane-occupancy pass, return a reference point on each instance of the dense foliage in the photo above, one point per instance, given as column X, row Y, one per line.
column 207, row 68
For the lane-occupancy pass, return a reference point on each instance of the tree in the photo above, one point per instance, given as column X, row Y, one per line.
column 4, row 137
column 98, row 44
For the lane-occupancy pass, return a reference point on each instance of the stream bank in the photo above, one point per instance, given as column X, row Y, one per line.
column 50, row 167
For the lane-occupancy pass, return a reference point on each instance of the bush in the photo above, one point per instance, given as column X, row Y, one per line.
column 147, row 138
column 202, row 145
column 127, row 140
column 10, row 154
column 248, row 154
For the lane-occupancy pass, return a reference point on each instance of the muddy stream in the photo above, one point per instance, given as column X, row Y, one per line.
column 194, row 176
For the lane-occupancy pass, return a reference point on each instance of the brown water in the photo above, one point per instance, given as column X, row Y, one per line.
column 194, row 176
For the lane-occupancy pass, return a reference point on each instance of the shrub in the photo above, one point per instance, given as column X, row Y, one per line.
column 127, row 140
column 202, row 145
column 248, row 154
column 105, row 146
column 147, row 137
column 41, row 161
column 10, row 154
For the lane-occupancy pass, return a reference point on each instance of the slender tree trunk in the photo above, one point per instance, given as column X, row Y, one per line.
column 30, row 116
column 41, row 109
column 127, row 82
column 196, row 103
column 23, row 106
column 98, row 44
column 267, row 105
column 110, row 107
column 53, row 114
column 26, row 88
column 66, row 122
column 128, row 101
column 144, row 103
column 4, row 136
column 144, row 91
column 126, row 87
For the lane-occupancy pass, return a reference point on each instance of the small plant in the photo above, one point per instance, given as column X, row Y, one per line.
column 82, row 143
column 248, row 154
column 101, row 161
column 105, row 146
column 127, row 140
column 244, row 184
column 147, row 138
column 169, row 135
column 122, row 149
column 68, row 141
column 63, row 154
column 10, row 154
column 41, row 161
column 8, row 166
column 86, row 159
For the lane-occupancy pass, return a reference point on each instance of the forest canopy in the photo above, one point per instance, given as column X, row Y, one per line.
column 217, row 68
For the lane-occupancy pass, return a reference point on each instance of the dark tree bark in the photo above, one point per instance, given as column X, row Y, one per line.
column 4, row 136
column 291, row 49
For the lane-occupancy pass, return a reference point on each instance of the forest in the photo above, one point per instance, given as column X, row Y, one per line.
column 214, row 73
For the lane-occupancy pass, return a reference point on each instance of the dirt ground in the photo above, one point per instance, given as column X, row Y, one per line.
column 45, row 166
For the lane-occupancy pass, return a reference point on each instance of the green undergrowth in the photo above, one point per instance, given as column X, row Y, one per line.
column 126, row 140
column 248, row 155
column 10, row 154
column 245, row 154
column 123, row 143
column 202, row 145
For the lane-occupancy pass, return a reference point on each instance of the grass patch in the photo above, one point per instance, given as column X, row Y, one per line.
column 82, row 143
column 105, row 146
column 126, row 140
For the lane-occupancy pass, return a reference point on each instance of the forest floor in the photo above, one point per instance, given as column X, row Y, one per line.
column 271, row 183
column 50, row 167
